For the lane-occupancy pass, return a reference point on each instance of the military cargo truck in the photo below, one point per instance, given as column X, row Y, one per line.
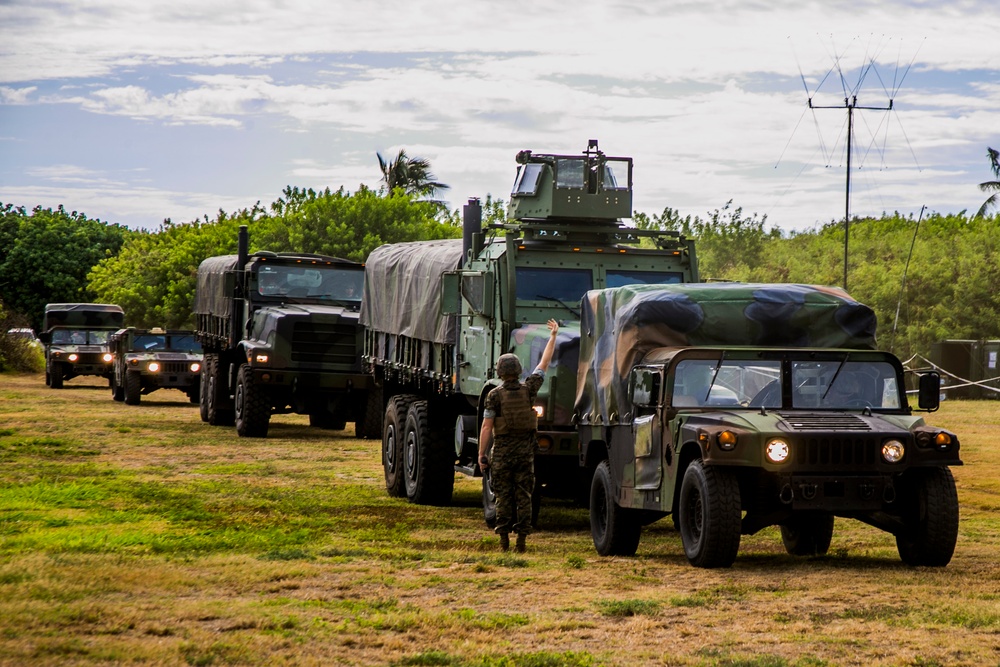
column 75, row 336
column 437, row 315
column 735, row 407
column 280, row 335
column 145, row 360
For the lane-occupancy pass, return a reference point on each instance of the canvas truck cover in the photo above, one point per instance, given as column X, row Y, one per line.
column 210, row 297
column 84, row 315
column 402, row 294
column 620, row 325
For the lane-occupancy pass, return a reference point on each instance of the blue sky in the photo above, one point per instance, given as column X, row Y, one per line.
column 136, row 112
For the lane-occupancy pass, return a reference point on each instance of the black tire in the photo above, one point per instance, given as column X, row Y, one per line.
column 393, row 429
column 253, row 406
column 428, row 459
column 327, row 421
column 56, row 375
column 710, row 515
column 370, row 426
column 117, row 391
column 133, row 387
column 808, row 533
column 615, row 530
column 203, row 389
column 932, row 523
column 218, row 396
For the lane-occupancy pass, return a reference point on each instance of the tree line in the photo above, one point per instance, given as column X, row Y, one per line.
column 928, row 279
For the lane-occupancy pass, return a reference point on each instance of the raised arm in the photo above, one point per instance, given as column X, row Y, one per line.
column 550, row 346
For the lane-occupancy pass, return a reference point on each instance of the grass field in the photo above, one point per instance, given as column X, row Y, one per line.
column 140, row 535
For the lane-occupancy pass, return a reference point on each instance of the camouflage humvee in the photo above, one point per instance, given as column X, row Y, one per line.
column 736, row 407
column 145, row 360
column 75, row 336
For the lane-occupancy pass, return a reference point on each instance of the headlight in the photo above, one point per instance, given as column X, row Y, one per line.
column 73, row 357
column 108, row 358
column 892, row 451
column 539, row 411
column 261, row 358
column 153, row 367
column 777, row 451
column 195, row 367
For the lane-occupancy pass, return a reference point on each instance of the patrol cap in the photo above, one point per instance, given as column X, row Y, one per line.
column 508, row 366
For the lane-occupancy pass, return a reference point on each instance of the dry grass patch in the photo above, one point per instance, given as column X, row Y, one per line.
column 138, row 534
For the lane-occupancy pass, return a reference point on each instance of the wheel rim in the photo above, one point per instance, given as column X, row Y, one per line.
column 389, row 449
column 411, row 455
column 239, row 400
column 695, row 519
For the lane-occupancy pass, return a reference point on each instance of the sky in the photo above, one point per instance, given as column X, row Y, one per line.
column 136, row 112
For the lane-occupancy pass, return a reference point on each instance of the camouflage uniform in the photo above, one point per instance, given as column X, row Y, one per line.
column 513, row 457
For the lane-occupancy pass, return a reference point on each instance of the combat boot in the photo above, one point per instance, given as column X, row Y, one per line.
column 520, row 546
column 504, row 542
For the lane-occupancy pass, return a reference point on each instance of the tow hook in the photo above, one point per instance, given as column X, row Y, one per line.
column 786, row 494
column 808, row 491
column 889, row 494
column 866, row 491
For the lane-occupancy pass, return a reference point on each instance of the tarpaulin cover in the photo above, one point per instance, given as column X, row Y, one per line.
column 210, row 297
column 620, row 325
column 402, row 294
column 84, row 315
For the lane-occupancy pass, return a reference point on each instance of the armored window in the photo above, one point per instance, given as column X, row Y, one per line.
column 616, row 175
column 570, row 174
column 528, row 177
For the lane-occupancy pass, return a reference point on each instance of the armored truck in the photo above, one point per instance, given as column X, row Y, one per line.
column 280, row 335
column 75, row 336
column 438, row 314
column 145, row 360
column 734, row 407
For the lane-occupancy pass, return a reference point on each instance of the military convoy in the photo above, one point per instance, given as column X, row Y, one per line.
column 75, row 336
column 280, row 335
column 145, row 360
column 437, row 315
column 731, row 407
column 735, row 407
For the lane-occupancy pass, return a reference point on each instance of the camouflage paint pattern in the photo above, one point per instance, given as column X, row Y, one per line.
column 620, row 325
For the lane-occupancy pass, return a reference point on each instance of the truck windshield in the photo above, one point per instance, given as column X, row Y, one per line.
column 835, row 385
column 80, row 337
column 816, row 385
column 619, row 277
column 561, row 285
column 312, row 282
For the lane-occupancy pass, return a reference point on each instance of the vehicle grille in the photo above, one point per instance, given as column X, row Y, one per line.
column 841, row 452
column 175, row 367
column 325, row 343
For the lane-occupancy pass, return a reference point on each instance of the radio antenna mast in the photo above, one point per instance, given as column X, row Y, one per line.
column 850, row 103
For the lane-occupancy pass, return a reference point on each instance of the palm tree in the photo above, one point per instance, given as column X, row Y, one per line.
column 412, row 175
column 993, row 201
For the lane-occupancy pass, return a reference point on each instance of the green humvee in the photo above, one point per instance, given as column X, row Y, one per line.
column 735, row 407
column 145, row 360
column 75, row 336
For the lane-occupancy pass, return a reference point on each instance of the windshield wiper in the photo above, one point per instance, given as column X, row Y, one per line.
column 560, row 302
column 835, row 374
column 715, row 374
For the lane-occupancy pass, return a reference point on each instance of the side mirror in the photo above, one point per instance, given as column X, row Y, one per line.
column 929, row 391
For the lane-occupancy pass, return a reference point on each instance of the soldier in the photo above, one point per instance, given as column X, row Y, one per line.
column 510, row 416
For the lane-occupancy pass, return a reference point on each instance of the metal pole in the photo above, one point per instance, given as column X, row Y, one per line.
column 847, row 204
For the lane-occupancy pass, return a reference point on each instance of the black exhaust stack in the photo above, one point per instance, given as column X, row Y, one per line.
column 472, row 228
